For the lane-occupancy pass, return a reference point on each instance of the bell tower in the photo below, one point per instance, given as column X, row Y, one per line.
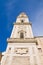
column 21, row 48
column 22, row 27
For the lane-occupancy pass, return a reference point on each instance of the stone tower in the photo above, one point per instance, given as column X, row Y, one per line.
column 22, row 46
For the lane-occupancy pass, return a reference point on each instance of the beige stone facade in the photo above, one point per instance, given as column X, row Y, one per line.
column 23, row 48
column 40, row 48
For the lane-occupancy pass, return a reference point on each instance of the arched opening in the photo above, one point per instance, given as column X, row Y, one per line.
column 21, row 35
column 22, row 21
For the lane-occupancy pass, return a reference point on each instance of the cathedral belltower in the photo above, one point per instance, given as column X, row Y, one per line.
column 22, row 46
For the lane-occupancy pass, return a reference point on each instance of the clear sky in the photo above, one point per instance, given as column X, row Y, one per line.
column 10, row 9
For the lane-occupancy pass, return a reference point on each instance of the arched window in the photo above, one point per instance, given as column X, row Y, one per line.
column 21, row 35
column 22, row 21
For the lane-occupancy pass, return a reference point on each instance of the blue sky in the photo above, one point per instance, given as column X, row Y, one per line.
column 10, row 9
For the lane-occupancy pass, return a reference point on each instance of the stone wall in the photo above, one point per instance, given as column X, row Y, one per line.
column 40, row 48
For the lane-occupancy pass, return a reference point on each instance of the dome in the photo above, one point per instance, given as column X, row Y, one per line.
column 22, row 15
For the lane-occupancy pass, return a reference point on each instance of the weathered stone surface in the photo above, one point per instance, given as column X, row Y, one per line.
column 23, row 48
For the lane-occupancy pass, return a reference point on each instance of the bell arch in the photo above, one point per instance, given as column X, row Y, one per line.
column 21, row 34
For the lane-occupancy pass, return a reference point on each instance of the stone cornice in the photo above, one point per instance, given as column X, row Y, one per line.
column 38, row 37
column 23, row 23
column 17, row 40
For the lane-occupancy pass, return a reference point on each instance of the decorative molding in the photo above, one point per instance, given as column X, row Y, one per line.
column 21, row 51
column 22, row 23
column 18, row 40
column 38, row 37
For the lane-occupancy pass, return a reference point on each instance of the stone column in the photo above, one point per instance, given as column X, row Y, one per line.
column 3, row 60
column 37, row 55
column 31, row 56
